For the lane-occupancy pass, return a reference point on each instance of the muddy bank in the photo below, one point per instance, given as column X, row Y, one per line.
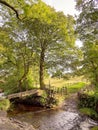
column 12, row 124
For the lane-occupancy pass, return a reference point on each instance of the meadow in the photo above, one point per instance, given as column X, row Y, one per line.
column 72, row 85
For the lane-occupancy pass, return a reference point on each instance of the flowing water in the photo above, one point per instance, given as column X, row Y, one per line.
column 57, row 119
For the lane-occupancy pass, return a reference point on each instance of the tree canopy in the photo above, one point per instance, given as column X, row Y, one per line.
column 43, row 39
column 50, row 31
column 87, row 29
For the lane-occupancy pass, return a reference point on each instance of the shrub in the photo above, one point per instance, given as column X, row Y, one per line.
column 86, row 100
column 4, row 104
column 88, row 103
column 89, row 112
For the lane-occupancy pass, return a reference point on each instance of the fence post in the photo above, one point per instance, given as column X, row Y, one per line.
column 65, row 90
column 62, row 91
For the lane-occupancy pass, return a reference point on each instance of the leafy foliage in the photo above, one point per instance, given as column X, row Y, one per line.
column 88, row 33
column 89, row 101
column 51, row 31
column 4, row 104
column 43, row 39
column 89, row 112
column 87, row 20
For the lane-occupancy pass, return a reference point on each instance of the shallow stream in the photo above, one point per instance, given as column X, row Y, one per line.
column 57, row 119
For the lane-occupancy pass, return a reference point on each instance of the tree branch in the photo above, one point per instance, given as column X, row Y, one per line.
column 11, row 7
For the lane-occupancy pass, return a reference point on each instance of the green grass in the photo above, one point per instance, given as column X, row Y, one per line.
column 75, row 87
column 63, row 82
column 89, row 112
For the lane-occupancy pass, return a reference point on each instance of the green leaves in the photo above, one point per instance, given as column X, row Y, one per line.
column 87, row 20
column 43, row 38
column 39, row 11
column 87, row 32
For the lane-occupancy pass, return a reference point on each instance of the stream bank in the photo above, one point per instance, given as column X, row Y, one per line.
column 13, row 124
column 65, row 118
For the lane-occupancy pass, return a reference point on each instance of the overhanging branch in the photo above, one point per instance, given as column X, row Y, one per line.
column 11, row 7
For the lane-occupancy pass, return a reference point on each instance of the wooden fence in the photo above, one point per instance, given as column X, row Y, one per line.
column 54, row 90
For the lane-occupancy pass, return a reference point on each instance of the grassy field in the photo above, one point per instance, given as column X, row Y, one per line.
column 75, row 87
column 73, row 84
column 62, row 82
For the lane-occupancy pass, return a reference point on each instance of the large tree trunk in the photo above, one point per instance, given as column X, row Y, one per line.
column 41, row 72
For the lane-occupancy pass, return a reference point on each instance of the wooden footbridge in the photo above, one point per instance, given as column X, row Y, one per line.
column 51, row 91
column 24, row 94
